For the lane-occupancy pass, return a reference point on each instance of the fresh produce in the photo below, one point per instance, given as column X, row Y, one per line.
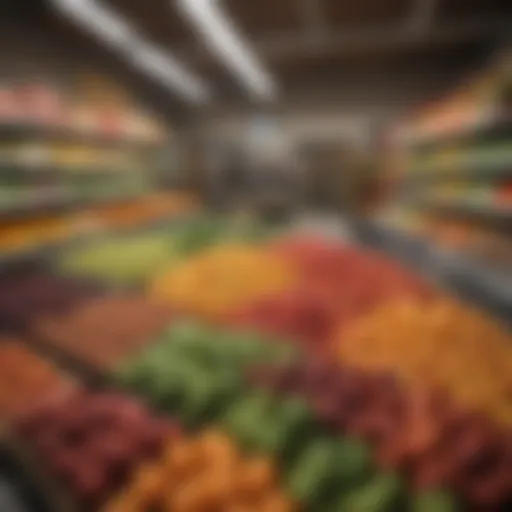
column 205, row 472
column 196, row 371
column 25, row 379
column 299, row 314
column 385, row 493
column 334, row 285
column 220, row 279
column 198, row 234
column 355, row 281
column 203, row 232
column 434, row 501
column 128, row 260
column 106, row 330
column 444, row 344
column 264, row 424
column 92, row 441
column 27, row 293
column 328, row 468
column 423, row 434
column 29, row 233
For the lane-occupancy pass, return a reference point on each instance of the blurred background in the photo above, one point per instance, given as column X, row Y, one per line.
column 135, row 132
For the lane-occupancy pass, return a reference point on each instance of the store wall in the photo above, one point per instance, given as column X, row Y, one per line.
column 351, row 112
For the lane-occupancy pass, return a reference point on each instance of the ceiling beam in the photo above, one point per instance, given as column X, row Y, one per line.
column 422, row 15
column 379, row 39
column 313, row 19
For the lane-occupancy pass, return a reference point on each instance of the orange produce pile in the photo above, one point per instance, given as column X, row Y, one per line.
column 19, row 235
column 443, row 344
column 25, row 379
column 204, row 473
column 218, row 280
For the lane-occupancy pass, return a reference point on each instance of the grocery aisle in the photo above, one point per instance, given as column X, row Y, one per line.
column 335, row 336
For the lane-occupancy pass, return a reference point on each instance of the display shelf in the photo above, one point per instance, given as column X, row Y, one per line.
column 484, row 285
column 489, row 128
column 12, row 166
column 463, row 172
column 15, row 130
column 51, row 205
column 23, row 486
column 499, row 216
column 44, row 251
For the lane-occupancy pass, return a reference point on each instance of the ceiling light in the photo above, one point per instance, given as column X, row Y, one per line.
column 104, row 24
column 114, row 31
column 168, row 71
column 225, row 40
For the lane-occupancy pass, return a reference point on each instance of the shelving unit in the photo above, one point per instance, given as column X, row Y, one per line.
column 49, row 132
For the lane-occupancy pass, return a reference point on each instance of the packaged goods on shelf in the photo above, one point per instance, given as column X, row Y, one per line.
column 104, row 330
column 26, row 379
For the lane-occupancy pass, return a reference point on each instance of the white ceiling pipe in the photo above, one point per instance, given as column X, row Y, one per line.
column 225, row 41
column 115, row 32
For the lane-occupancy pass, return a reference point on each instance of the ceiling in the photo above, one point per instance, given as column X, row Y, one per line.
column 317, row 45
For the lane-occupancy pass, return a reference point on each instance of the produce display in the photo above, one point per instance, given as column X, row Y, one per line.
column 104, row 330
column 25, row 378
column 207, row 386
column 16, row 236
column 423, row 434
column 329, row 291
column 219, row 279
column 129, row 260
column 90, row 441
column 439, row 344
column 195, row 371
column 205, row 472
column 29, row 293
column 305, row 375
column 451, row 162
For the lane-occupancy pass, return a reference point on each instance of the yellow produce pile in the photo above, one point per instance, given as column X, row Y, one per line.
column 215, row 282
column 442, row 344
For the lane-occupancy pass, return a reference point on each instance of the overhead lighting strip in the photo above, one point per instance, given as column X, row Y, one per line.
column 225, row 40
column 114, row 31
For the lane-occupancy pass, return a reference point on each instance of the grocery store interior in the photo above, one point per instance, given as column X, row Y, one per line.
column 271, row 240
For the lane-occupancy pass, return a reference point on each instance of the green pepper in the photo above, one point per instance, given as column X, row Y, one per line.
column 434, row 501
column 384, row 493
column 310, row 478
column 354, row 463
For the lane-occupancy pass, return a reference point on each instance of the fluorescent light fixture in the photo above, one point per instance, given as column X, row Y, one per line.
column 225, row 40
column 113, row 30
column 169, row 72
column 104, row 24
